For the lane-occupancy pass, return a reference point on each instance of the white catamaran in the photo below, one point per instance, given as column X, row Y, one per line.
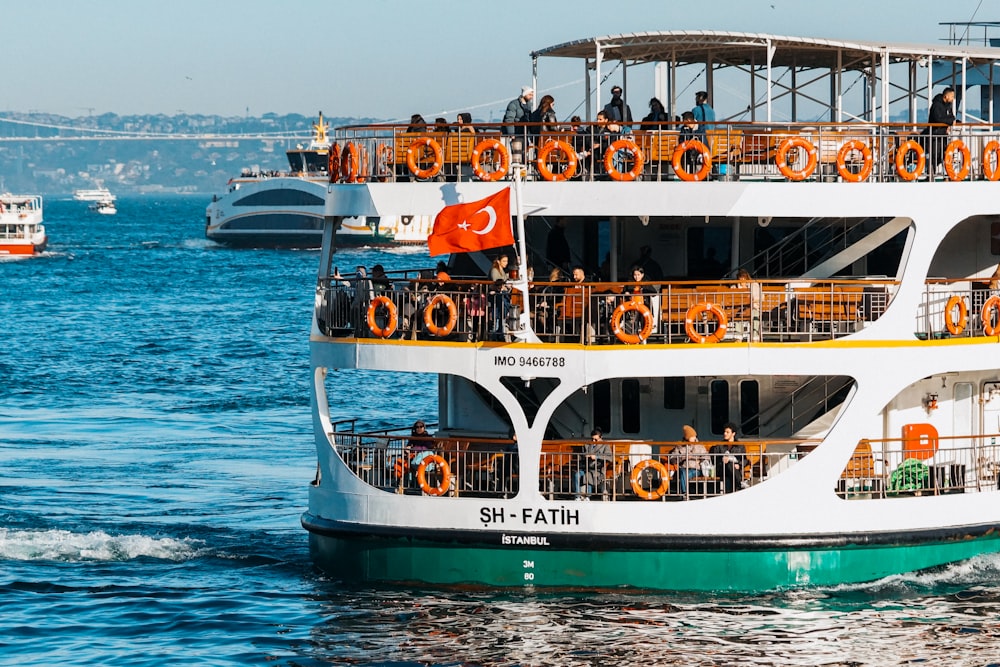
column 820, row 286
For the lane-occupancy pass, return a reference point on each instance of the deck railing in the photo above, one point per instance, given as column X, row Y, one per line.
column 658, row 471
column 859, row 152
column 601, row 313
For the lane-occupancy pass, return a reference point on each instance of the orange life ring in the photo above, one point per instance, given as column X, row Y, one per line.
column 350, row 163
column 418, row 148
column 619, row 314
column 442, row 486
column 992, row 303
column 866, row 164
column 901, row 153
column 541, row 162
column 390, row 326
column 678, row 156
column 333, row 163
column 782, row 158
column 955, row 328
column 637, row 160
column 499, row 151
column 430, row 325
column 695, row 312
column 991, row 171
column 949, row 160
column 635, row 479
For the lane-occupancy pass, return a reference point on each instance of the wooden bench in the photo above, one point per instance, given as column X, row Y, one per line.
column 859, row 477
column 831, row 306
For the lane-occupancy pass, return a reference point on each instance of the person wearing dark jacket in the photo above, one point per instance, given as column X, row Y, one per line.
column 940, row 119
column 729, row 459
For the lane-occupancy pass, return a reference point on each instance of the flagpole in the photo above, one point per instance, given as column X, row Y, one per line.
column 526, row 334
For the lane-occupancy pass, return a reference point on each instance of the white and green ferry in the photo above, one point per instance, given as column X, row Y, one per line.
column 859, row 362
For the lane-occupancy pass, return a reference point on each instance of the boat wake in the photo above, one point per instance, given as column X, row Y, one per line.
column 69, row 547
column 979, row 571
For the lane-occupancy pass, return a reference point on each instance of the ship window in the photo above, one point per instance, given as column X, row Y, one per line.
column 601, row 393
column 750, row 407
column 673, row 393
column 281, row 197
column 630, row 405
column 719, row 397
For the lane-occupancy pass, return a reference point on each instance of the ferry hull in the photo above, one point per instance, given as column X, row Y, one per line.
column 729, row 563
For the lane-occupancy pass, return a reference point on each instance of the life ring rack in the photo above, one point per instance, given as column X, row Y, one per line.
column 956, row 328
column 782, row 158
column 419, row 146
column 442, row 487
column 618, row 315
column 430, row 325
column 391, row 323
column 635, row 478
column 501, row 154
column 638, row 159
column 696, row 312
column 678, row 157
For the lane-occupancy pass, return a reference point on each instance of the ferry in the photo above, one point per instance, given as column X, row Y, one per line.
column 284, row 209
column 98, row 194
column 797, row 388
column 21, row 229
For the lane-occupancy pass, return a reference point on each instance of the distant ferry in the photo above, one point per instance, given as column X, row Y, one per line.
column 104, row 207
column 274, row 209
column 96, row 194
column 21, row 229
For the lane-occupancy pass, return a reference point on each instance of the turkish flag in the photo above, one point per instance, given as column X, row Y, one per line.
column 472, row 227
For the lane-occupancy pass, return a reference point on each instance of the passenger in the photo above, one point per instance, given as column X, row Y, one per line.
column 518, row 111
column 441, row 125
column 616, row 110
column 940, row 118
column 545, row 116
column 689, row 459
column 590, row 476
column 690, row 131
column 545, row 303
column 657, row 118
column 571, row 313
column 632, row 321
column 463, row 123
column 500, row 296
column 703, row 111
column 729, row 459
column 607, row 132
column 380, row 281
column 474, row 304
column 413, row 310
column 363, row 295
column 418, row 447
column 417, row 124
column 995, row 279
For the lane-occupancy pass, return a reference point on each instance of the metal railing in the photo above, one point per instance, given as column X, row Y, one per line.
column 959, row 308
column 862, row 152
column 601, row 313
column 454, row 466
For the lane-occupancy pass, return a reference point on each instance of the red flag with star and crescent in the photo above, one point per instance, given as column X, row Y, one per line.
column 477, row 225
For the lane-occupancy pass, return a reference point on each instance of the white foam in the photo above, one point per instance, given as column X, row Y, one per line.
column 63, row 545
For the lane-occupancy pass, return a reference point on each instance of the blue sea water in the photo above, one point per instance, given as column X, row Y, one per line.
column 155, row 454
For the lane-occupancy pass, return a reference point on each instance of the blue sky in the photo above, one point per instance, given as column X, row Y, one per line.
column 375, row 58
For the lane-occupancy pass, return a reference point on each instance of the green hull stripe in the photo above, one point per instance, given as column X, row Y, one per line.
column 405, row 560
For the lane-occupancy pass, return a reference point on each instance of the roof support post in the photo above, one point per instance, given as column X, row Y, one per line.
column 795, row 92
column 965, row 65
column 885, row 85
column 598, row 58
column 587, row 93
column 770, row 57
column 930, row 82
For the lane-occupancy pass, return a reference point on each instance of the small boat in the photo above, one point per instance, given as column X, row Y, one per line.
column 284, row 209
column 104, row 207
column 94, row 195
column 768, row 362
column 21, row 228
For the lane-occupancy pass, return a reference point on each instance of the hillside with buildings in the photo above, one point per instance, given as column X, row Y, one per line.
column 46, row 154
